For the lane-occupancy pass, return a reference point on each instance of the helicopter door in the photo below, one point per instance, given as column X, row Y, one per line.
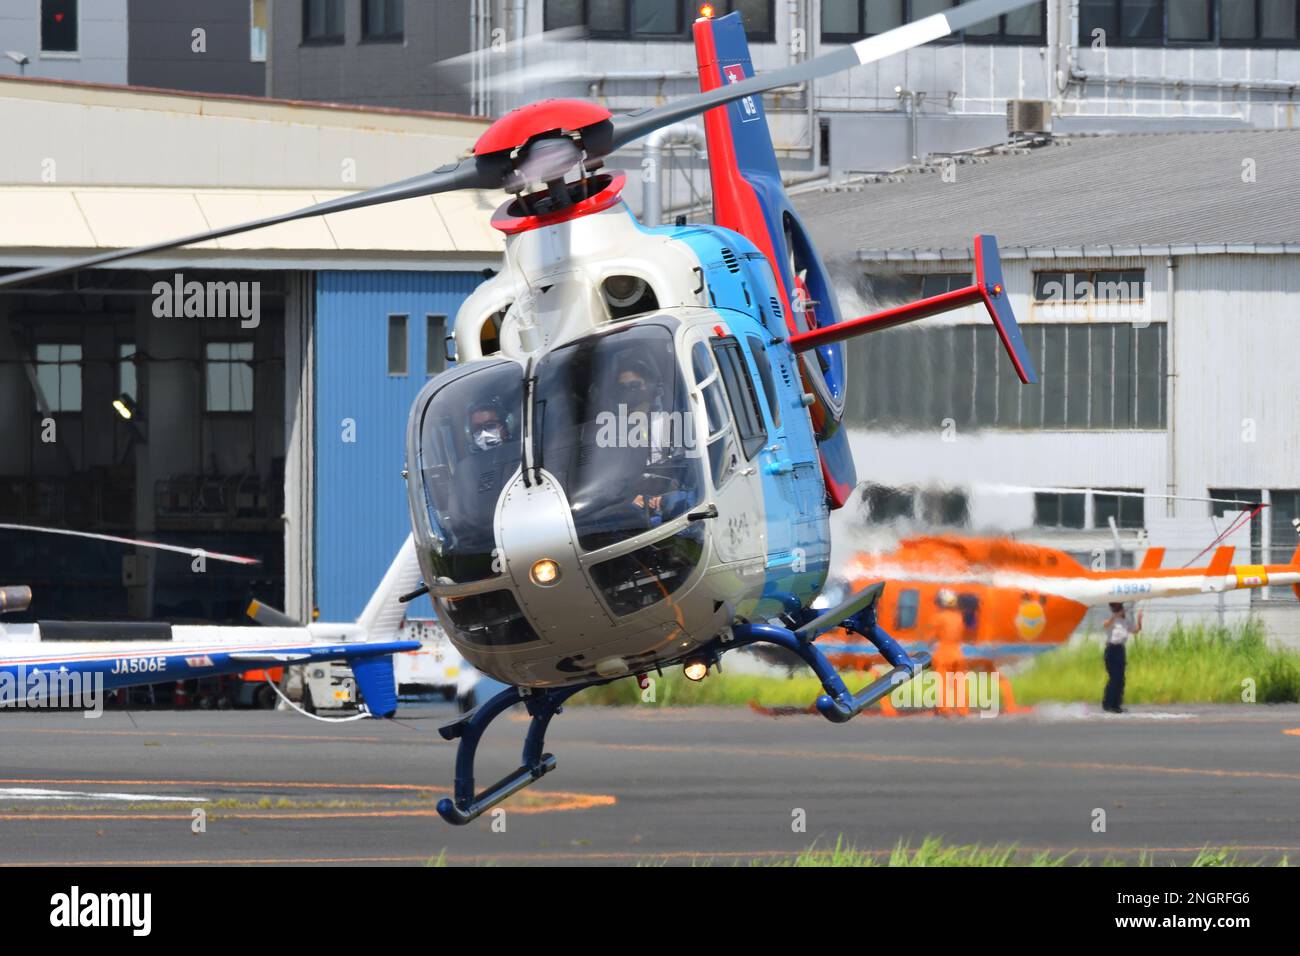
column 736, row 434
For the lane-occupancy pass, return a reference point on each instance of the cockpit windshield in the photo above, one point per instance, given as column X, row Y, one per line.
column 613, row 423
column 470, row 446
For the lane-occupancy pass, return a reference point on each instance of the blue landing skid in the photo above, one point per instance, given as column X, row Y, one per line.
column 838, row 704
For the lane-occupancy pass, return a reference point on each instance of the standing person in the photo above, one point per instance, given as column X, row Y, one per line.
column 1118, row 629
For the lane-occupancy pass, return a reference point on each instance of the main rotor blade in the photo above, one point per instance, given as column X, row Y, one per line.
column 156, row 545
column 477, row 172
column 630, row 126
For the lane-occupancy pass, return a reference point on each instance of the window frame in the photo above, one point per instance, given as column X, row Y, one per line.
column 325, row 39
column 53, row 54
column 390, row 37
column 230, row 362
column 1060, row 497
column 1001, row 37
column 1216, row 39
column 754, row 34
column 728, row 353
column 405, row 318
column 435, row 349
column 58, row 364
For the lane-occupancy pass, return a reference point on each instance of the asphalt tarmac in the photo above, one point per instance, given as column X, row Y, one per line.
column 648, row 785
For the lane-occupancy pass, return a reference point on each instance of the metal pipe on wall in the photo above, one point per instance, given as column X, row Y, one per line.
column 652, row 193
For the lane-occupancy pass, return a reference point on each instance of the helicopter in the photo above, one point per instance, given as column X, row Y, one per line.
column 632, row 464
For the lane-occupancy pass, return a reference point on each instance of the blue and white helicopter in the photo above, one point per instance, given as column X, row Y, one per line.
column 71, row 663
column 633, row 463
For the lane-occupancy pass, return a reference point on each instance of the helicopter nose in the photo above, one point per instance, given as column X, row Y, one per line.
column 541, row 556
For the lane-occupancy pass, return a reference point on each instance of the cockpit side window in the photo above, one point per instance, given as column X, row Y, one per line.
column 750, row 427
column 759, row 351
column 470, row 446
column 722, row 446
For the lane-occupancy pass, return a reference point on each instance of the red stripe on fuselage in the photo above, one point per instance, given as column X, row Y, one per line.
column 735, row 204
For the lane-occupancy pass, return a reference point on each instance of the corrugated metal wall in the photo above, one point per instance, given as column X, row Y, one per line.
column 361, row 515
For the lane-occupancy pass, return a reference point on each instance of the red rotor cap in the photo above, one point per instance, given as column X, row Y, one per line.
column 520, row 125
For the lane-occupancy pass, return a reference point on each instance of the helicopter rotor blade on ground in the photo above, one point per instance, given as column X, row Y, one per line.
column 156, row 545
column 630, row 126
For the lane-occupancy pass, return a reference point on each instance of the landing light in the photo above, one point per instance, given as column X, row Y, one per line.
column 545, row 573
column 696, row 669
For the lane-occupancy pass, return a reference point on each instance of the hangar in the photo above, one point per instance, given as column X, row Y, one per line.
column 1157, row 280
column 263, row 408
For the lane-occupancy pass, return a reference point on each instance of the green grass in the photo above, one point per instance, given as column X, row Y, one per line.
column 1196, row 664
column 1191, row 664
column 933, row 851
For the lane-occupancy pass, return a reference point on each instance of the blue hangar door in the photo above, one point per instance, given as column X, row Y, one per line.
column 379, row 336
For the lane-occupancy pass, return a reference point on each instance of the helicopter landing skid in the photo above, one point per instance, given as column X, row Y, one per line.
column 542, row 705
column 857, row 614
column 839, row 704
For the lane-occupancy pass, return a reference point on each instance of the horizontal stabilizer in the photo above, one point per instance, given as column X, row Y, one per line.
column 270, row 657
column 1152, row 560
column 988, row 290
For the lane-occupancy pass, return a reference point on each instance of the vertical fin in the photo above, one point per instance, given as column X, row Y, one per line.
column 1152, row 560
column 383, row 613
column 1221, row 562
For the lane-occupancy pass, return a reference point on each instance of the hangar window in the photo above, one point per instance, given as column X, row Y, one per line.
column 844, row 21
column 382, row 21
column 1128, row 512
column 257, row 31
column 59, row 26
column 885, row 504
column 1095, row 376
column 1254, row 23
column 945, row 508
column 1284, row 507
column 654, row 19
column 126, row 374
column 1099, row 288
column 1059, row 509
column 435, row 344
column 398, row 349
column 322, row 21
column 228, row 377
column 58, row 371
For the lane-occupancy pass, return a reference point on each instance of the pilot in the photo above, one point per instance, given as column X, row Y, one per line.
column 488, row 427
column 638, row 392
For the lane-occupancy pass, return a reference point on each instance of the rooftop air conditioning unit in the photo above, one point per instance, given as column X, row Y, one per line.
column 1028, row 116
